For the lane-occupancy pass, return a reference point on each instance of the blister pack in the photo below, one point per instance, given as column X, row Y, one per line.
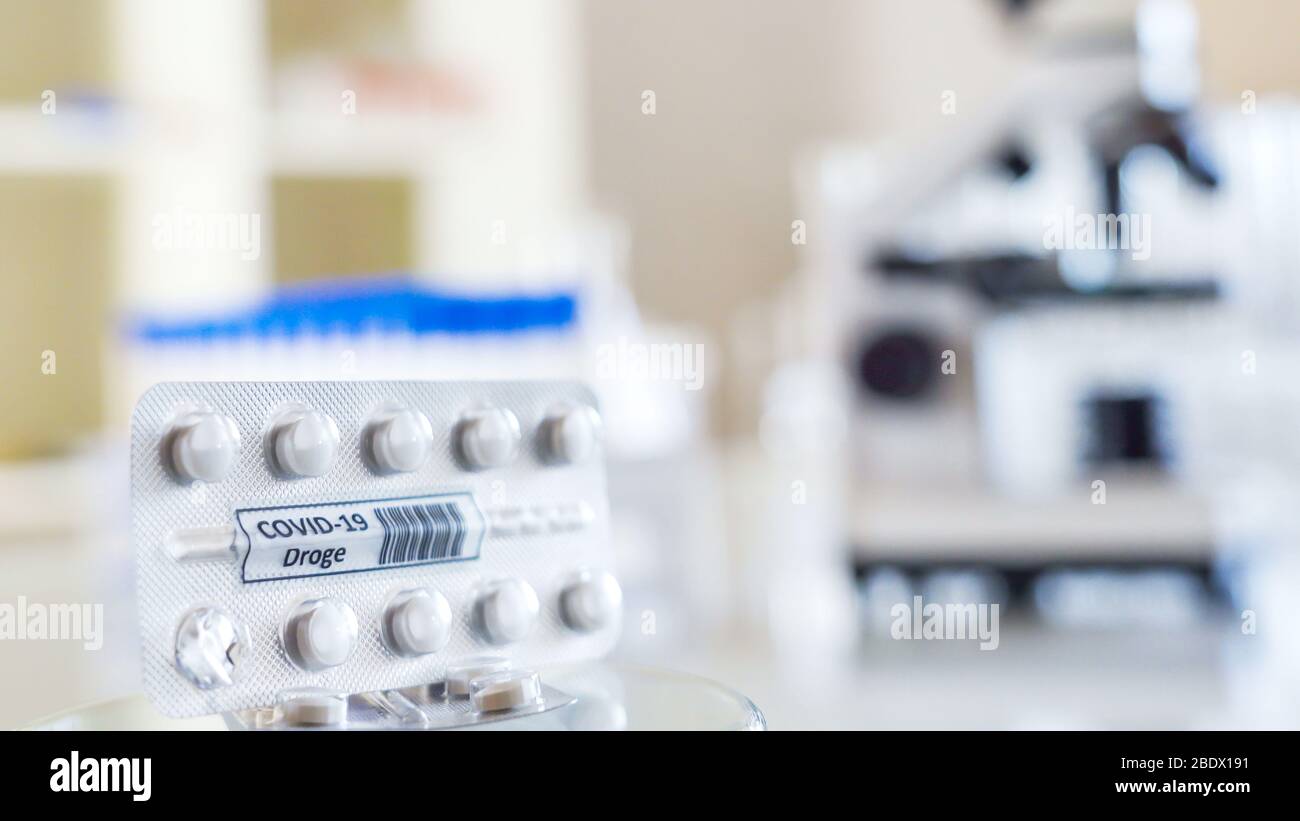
column 364, row 536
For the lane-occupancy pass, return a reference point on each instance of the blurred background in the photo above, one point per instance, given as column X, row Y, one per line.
column 910, row 355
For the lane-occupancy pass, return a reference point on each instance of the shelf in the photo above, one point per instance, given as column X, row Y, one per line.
column 381, row 144
column 300, row 144
column 71, row 142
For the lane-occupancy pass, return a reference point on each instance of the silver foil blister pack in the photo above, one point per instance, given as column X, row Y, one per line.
column 364, row 536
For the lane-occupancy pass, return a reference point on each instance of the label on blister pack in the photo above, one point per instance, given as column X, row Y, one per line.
column 296, row 541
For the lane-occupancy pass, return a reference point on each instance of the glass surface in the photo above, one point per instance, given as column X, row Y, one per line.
column 609, row 697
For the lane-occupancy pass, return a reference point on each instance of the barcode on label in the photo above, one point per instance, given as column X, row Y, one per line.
column 421, row 532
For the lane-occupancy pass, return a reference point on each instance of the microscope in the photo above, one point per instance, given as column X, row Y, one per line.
column 1069, row 322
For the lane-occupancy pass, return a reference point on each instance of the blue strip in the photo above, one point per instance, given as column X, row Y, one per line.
column 357, row 306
